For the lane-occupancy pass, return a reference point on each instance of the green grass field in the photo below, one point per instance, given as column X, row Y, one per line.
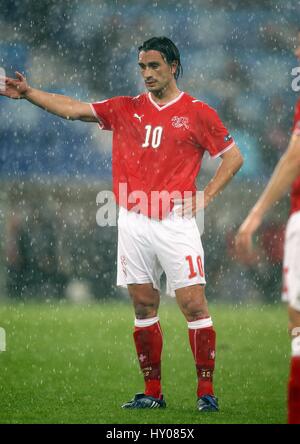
column 77, row 364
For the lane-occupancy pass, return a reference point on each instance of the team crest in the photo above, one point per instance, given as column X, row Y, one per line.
column 180, row 122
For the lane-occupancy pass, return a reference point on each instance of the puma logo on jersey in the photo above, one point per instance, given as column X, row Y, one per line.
column 138, row 117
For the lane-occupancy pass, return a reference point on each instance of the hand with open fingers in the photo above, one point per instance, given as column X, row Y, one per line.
column 243, row 240
column 14, row 88
column 189, row 206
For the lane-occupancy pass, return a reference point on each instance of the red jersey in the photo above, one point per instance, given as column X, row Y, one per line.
column 295, row 191
column 159, row 148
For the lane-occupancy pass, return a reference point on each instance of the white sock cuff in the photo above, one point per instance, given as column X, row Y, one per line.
column 200, row 323
column 145, row 322
column 296, row 346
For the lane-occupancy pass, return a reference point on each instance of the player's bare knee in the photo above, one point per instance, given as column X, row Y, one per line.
column 194, row 310
column 294, row 322
column 194, row 315
column 145, row 311
column 192, row 303
column 145, row 300
column 294, row 330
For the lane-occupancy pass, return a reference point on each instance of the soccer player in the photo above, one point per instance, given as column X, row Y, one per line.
column 286, row 175
column 159, row 139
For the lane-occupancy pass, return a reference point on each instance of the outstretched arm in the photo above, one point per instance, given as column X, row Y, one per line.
column 286, row 171
column 58, row 104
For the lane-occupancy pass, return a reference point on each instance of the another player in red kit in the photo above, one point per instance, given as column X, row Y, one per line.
column 286, row 175
column 159, row 139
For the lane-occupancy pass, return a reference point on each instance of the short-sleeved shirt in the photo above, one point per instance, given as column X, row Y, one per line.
column 159, row 148
column 295, row 191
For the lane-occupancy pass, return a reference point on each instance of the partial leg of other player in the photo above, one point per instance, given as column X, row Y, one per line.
column 291, row 294
column 294, row 377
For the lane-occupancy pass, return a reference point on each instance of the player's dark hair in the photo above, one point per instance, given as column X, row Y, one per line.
column 168, row 50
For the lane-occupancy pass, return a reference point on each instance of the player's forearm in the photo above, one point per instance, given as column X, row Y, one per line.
column 284, row 175
column 58, row 104
column 225, row 172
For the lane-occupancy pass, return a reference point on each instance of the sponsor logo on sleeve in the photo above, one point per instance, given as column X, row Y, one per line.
column 228, row 138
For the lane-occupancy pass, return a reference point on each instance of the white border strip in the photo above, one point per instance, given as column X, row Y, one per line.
column 101, row 124
column 200, row 323
column 160, row 108
column 296, row 346
column 145, row 322
column 2, row 79
column 223, row 151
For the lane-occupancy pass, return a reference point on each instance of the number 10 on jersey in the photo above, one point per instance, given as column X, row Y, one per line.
column 153, row 136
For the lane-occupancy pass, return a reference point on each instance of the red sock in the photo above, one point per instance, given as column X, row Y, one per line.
column 148, row 342
column 294, row 391
column 203, row 343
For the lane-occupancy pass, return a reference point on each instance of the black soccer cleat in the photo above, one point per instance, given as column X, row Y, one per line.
column 208, row 403
column 142, row 401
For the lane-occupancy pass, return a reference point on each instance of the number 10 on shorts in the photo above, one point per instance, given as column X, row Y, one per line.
column 193, row 270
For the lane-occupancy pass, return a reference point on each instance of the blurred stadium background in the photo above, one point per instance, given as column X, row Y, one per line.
column 237, row 56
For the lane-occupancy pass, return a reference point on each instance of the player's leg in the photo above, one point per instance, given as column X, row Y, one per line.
column 145, row 299
column 291, row 294
column 139, row 270
column 202, row 337
column 294, row 377
column 179, row 250
column 148, row 343
column 147, row 335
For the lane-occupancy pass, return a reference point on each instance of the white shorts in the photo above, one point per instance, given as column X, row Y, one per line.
column 147, row 247
column 291, row 262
